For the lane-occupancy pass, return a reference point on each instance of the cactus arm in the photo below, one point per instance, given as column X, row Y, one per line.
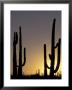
column 24, row 62
column 56, row 46
column 58, row 61
column 50, row 56
column 57, row 67
column 24, row 57
column 48, row 66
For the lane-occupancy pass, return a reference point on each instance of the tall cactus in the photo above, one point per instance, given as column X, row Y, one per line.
column 52, row 55
column 15, row 41
column 20, row 54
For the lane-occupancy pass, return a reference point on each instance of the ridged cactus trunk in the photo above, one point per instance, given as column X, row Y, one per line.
column 45, row 62
column 20, row 54
column 15, row 41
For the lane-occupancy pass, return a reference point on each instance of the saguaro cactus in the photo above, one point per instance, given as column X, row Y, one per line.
column 20, row 54
column 15, row 41
column 52, row 55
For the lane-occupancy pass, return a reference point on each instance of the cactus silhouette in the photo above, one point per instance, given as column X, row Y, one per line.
column 58, row 45
column 20, row 54
column 15, row 41
column 52, row 55
column 45, row 62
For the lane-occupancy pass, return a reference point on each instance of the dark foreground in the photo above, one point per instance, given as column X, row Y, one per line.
column 35, row 77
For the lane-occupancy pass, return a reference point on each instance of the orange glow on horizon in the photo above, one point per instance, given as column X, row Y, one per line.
column 35, row 62
column 39, row 66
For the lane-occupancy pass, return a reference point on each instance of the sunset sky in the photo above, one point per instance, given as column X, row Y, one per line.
column 36, row 31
